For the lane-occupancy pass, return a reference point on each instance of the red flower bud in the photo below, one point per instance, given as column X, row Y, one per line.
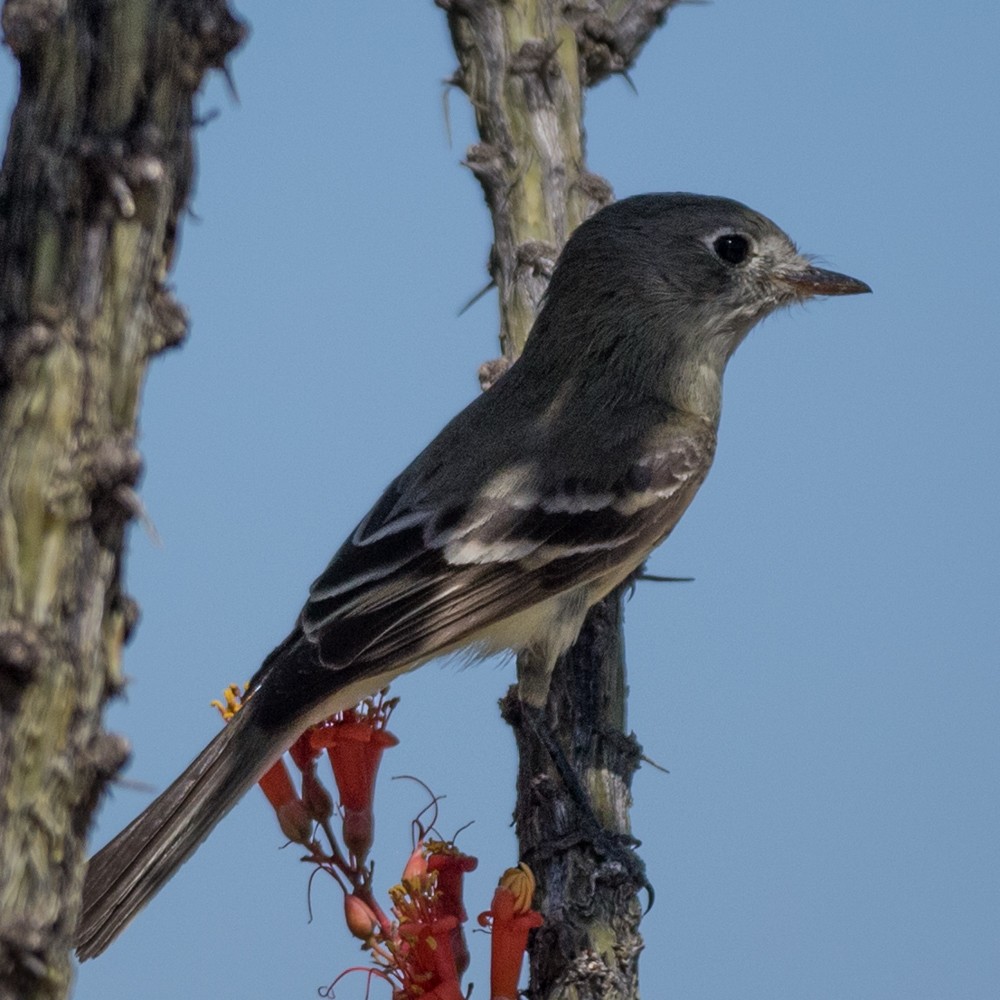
column 295, row 822
column 416, row 864
column 293, row 817
column 361, row 921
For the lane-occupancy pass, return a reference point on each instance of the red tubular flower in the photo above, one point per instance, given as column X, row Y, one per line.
column 354, row 741
column 451, row 865
column 293, row 817
column 511, row 919
column 276, row 784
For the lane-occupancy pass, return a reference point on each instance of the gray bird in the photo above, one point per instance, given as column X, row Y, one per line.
column 530, row 506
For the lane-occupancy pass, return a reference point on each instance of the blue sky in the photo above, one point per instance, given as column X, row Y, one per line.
column 825, row 695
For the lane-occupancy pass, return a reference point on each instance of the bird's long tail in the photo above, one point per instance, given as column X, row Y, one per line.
column 123, row 876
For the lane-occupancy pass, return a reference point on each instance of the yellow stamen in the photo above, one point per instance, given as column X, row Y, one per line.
column 520, row 882
column 235, row 698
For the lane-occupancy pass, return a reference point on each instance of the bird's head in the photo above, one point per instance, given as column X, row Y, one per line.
column 666, row 286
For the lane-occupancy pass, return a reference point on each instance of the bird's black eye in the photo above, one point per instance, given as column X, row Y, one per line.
column 732, row 248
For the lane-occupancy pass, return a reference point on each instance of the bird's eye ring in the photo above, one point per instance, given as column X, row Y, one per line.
column 732, row 248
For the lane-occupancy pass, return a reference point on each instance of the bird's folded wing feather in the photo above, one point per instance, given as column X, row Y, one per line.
column 416, row 578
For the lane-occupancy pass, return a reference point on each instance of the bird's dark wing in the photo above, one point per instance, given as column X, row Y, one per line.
column 417, row 578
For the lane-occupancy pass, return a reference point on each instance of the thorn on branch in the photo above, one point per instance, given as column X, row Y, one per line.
column 652, row 763
column 200, row 121
column 227, row 75
column 457, row 79
column 475, row 298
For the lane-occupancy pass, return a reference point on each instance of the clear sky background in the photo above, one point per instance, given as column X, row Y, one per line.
column 826, row 695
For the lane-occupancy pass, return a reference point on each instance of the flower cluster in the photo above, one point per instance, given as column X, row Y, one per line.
column 429, row 951
column 419, row 947
column 426, row 955
column 354, row 741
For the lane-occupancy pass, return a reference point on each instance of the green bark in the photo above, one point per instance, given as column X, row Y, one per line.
column 95, row 177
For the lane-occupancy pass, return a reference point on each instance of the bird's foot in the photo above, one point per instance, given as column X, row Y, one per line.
column 612, row 846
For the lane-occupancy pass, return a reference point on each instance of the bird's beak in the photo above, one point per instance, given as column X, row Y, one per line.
column 807, row 281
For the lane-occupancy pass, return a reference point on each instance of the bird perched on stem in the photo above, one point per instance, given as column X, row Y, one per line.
column 529, row 507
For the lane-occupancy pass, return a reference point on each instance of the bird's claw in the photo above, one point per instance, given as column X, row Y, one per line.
column 619, row 849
